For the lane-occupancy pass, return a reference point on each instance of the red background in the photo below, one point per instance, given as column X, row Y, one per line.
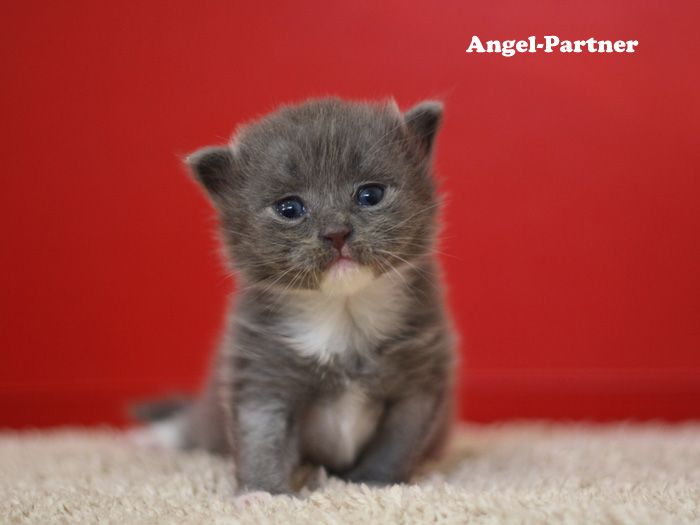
column 572, row 241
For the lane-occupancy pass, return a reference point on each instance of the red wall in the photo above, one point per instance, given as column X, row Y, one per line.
column 572, row 241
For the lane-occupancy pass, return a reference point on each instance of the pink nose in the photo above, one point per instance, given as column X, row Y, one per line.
column 337, row 236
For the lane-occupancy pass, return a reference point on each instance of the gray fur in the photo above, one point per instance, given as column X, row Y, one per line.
column 263, row 386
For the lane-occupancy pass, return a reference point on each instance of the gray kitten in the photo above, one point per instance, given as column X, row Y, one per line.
column 338, row 348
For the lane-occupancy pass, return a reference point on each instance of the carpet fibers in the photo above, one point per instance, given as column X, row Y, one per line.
column 512, row 473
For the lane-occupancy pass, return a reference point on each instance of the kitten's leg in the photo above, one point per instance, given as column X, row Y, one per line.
column 409, row 426
column 266, row 446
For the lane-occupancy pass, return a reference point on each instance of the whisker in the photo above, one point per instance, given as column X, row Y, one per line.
column 240, row 266
column 297, row 277
column 411, row 288
column 407, row 263
column 404, row 240
column 279, row 277
column 428, row 208
column 267, row 241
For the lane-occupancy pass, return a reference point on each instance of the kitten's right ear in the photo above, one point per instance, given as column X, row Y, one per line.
column 213, row 169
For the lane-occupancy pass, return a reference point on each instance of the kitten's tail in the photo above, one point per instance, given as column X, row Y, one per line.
column 156, row 410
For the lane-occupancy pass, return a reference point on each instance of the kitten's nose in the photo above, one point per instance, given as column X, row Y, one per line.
column 337, row 235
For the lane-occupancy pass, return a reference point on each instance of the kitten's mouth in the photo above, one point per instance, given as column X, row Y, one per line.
column 343, row 264
column 345, row 276
column 342, row 256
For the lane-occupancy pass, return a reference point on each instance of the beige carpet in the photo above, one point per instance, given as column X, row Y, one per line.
column 516, row 473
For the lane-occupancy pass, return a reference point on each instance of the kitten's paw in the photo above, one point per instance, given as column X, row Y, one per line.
column 250, row 499
column 318, row 479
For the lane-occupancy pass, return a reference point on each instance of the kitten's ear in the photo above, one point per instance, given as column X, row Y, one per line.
column 213, row 169
column 423, row 122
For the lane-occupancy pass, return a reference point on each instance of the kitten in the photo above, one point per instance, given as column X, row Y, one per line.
column 338, row 348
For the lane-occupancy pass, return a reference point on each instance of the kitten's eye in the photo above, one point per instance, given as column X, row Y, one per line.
column 370, row 195
column 291, row 208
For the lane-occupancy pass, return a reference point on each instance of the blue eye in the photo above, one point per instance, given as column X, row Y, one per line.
column 370, row 195
column 291, row 208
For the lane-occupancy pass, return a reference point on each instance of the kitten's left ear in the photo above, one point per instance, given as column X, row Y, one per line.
column 423, row 122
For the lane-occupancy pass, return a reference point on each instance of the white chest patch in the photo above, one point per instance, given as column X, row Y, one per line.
column 322, row 324
column 333, row 433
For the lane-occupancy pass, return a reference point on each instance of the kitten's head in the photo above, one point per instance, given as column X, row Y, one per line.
column 327, row 194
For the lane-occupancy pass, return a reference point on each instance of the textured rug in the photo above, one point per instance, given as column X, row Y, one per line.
column 513, row 473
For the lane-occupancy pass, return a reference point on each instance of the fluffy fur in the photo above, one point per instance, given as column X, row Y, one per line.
column 337, row 352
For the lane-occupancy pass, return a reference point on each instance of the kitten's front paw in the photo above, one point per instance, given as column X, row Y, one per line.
column 250, row 499
column 257, row 497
